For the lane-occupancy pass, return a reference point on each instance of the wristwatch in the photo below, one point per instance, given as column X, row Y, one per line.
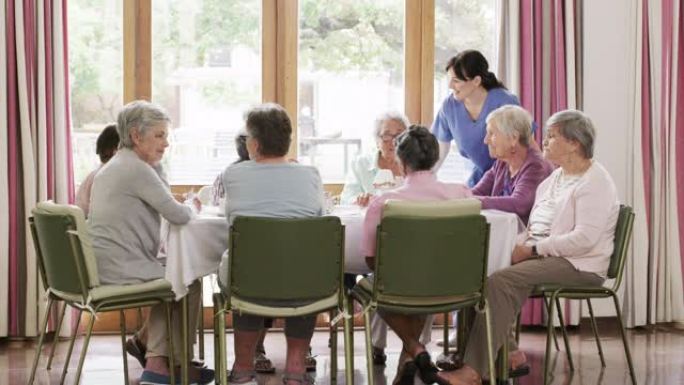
column 534, row 251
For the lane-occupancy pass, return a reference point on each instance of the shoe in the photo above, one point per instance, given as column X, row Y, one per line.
column 262, row 364
column 135, row 348
column 151, row 378
column 428, row 371
column 310, row 362
column 452, row 361
column 247, row 377
column 379, row 356
column 520, row 371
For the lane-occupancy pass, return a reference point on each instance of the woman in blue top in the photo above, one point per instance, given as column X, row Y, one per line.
column 462, row 118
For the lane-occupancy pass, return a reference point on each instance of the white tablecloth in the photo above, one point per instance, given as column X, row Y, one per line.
column 194, row 250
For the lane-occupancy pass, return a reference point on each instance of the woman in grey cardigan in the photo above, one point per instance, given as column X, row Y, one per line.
column 128, row 199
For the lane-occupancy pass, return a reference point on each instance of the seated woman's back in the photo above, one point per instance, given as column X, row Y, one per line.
column 279, row 190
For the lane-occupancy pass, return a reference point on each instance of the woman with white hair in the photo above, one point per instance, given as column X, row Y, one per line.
column 511, row 183
column 569, row 238
column 129, row 196
column 359, row 186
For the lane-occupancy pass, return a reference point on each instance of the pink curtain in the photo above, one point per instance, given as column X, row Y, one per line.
column 35, row 143
column 540, row 55
column 655, row 288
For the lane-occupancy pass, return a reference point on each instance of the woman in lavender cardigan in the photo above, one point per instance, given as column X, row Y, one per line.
column 511, row 183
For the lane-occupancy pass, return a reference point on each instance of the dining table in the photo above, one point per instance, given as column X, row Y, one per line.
column 194, row 250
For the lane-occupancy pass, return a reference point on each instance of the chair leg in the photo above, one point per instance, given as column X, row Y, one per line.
column 333, row 350
column 220, row 322
column 369, row 348
column 200, row 329
column 550, row 320
column 217, row 358
column 446, row 334
column 628, row 355
column 56, row 339
column 559, row 312
column 139, row 319
column 169, row 336
column 594, row 329
column 490, row 355
column 122, row 326
column 549, row 335
column 39, row 347
column 184, row 342
column 84, row 349
column 348, row 345
column 71, row 347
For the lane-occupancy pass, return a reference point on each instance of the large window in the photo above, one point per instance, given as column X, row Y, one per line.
column 350, row 70
column 95, row 73
column 460, row 25
column 206, row 72
column 206, row 66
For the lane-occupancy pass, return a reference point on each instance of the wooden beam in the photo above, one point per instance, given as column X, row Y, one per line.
column 137, row 34
column 427, row 60
column 412, row 60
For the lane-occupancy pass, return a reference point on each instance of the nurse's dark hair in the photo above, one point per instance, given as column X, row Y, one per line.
column 471, row 63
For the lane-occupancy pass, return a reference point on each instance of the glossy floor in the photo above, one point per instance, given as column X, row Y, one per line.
column 658, row 358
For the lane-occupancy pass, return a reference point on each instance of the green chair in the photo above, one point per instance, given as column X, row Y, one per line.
column 275, row 259
column 431, row 258
column 552, row 294
column 69, row 273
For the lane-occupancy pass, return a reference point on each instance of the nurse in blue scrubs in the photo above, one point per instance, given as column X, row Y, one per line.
column 475, row 92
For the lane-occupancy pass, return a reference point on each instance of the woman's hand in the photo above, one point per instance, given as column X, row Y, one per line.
column 521, row 253
column 363, row 199
column 197, row 203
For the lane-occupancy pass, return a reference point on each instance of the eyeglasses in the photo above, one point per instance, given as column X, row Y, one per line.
column 388, row 137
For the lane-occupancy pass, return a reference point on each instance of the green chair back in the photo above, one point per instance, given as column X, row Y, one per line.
column 286, row 259
column 623, row 234
column 63, row 268
column 436, row 250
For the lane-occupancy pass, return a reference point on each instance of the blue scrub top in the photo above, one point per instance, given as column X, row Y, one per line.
column 454, row 123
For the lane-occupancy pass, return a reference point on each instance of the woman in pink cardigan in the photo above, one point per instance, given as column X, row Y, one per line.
column 569, row 237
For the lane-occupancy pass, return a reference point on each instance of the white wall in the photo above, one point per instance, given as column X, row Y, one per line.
column 608, row 84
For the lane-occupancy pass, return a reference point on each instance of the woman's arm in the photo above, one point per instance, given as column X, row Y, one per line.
column 151, row 189
column 522, row 197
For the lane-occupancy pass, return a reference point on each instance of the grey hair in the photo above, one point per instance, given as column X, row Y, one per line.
column 575, row 125
column 390, row 115
column 510, row 120
column 139, row 115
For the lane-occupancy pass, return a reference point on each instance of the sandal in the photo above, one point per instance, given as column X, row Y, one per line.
column 450, row 362
column 262, row 364
column 302, row 378
column 310, row 362
column 135, row 348
column 379, row 356
column 246, row 377
column 428, row 371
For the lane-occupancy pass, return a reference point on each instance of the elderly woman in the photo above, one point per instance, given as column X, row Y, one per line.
column 511, row 183
column 359, row 187
column 268, row 185
column 417, row 151
column 569, row 236
column 129, row 196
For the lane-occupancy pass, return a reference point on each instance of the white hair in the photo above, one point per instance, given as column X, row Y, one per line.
column 511, row 120
column 139, row 115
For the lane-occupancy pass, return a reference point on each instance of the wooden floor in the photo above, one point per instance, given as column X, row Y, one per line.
column 658, row 358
